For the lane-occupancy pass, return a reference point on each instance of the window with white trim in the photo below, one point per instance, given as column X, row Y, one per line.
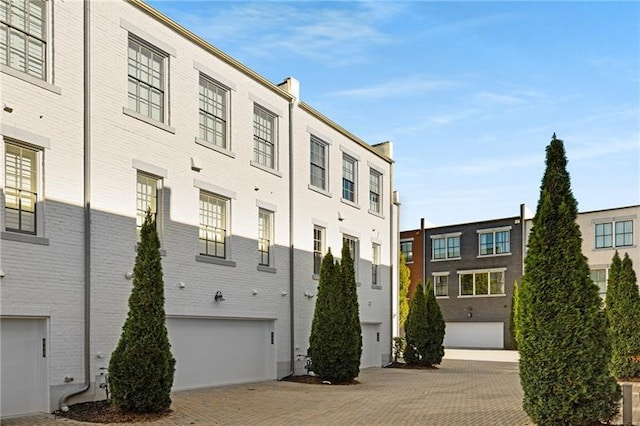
column 481, row 283
column 375, row 264
column 406, row 248
column 604, row 233
column 213, row 225
column 599, row 277
column 21, row 188
column 494, row 242
column 147, row 187
column 318, row 163
column 349, row 178
column 441, row 285
column 445, row 247
column 265, row 237
column 147, row 79
column 354, row 249
column 318, row 248
column 213, row 101
column 23, row 36
column 375, row 191
column 264, row 137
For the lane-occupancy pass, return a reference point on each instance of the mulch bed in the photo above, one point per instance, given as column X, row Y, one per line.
column 410, row 366
column 104, row 412
column 315, row 380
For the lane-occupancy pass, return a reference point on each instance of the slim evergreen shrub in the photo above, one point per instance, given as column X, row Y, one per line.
column 403, row 296
column 353, row 333
column 141, row 367
column 562, row 338
column 425, row 329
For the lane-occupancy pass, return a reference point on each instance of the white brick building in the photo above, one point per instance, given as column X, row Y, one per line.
column 113, row 108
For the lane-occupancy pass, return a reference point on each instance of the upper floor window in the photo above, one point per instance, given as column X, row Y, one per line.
column 213, row 103
column 265, row 236
column 445, row 247
column 20, row 191
column 146, row 198
column 318, row 248
column 354, row 250
column 213, row 225
column 441, row 285
column 375, row 191
column 493, row 242
column 264, row 137
column 319, row 164
column 406, row 248
column 147, row 80
column 623, row 234
column 375, row 264
column 483, row 283
column 23, row 36
column 349, row 173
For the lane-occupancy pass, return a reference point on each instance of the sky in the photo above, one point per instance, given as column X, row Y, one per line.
column 469, row 93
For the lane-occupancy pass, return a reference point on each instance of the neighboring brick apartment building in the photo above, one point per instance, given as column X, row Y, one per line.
column 474, row 266
column 110, row 108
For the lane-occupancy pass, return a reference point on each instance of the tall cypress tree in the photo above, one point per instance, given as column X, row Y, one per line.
column 141, row 367
column 564, row 348
column 353, row 329
column 424, row 329
column 623, row 315
column 403, row 296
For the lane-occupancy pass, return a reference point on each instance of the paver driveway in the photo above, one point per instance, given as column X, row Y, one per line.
column 458, row 393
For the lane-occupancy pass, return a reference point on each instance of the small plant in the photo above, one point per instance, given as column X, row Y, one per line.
column 399, row 345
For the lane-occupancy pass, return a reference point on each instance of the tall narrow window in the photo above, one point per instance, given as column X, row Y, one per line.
column 349, row 173
column 318, row 248
column 213, row 112
column 599, row 276
column 21, row 182
column 265, row 229
column 146, row 198
column 146, row 71
column 624, row 233
column 375, row 264
column 264, row 137
column 375, row 191
column 441, row 285
column 352, row 243
column 406, row 247
column 213, row 225
column 318, row 178
column 23, row 36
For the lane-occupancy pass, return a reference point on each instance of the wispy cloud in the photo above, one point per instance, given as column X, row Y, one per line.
column 463, row 25
column 401, row 87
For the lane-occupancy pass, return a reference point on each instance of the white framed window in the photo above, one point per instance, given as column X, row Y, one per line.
column 23, row 36
column 375, row 264
column 614, row 234
column 264, row 137
column 406, row 248
column 213, row 225
column 349, row 178
column 147, row 188
column 213, row 112
column 494, row 242
column 441, row 285
column 354, row 249
column 599, row 277
column 482, row 283
column 265, row 237
column 318, row 248
column 319, row 163
column 445, row 247
column 375, row 191
column 147, row 85
column 21, row 188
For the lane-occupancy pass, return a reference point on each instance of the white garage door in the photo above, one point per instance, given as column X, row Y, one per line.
column 23, row 386
column 370, row 346
column 213, row 352
column 486, row 335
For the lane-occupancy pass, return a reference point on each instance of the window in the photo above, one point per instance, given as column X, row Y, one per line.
column 265, row 226
column 352, row 243
column 599, row 276
column 213, row 225
column 406, row 248
column 623, row 234
column 445, row 247
column 21, row 186
column 319, row 164
column 494, row 242
column 441, row 285
column 483, row 283
column 375, row 188
column 318, row 248
column 213, row 112
column 604, row 235
column 146, row 198
column 349, row 172
column 375, row 263
column 146, row 80
column 264, row 137
column 23, row 36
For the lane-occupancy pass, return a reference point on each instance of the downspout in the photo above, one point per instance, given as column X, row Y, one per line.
column 393, row 236
column 87, row 209
column 423, row 258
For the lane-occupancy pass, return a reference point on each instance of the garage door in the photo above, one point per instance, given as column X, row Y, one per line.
column 213, row 352
column 370, row 346
column 486, row 335
column 23, row 386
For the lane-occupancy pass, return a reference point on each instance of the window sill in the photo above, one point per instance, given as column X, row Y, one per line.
column 448, row 259
column 380, row 215
column 215, row 260
column 480, row 256
column 615, row 248
column 376, row 287
column 471, row 296
column 5, row 69
column 350, row 203
column 133, row 114
column 265, row 168
column 442, row 297
column 319, row 191
column 24, row 238
column 216, row 148
column 268, row 269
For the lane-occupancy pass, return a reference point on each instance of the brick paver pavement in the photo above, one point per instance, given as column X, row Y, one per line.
column 458, row 393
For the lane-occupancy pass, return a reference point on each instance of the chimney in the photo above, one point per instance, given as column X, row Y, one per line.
column 292, row 86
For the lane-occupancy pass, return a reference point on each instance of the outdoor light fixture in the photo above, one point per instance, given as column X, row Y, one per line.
column 8, row 108
column 128, row 275
column 469, row 309
column 218, row 297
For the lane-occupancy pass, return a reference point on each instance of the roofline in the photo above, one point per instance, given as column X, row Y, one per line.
column 610, row 209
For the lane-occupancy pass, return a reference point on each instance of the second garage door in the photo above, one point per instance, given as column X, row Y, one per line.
column 213, row 352
column 485, row 335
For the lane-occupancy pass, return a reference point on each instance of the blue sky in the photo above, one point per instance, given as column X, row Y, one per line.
column 468, row 92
